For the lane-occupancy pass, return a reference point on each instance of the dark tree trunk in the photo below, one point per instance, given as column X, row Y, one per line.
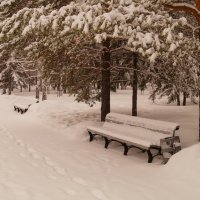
column 48, row 90
column 105, row 87
column 29, row 86
column 10, row 85
column 184, row 98
column 41, row 85
column 135, row 84
column 4, row 91
column 65, row 90
column 44, row 93
column 20, row 88
column 117, row 85
column 178, row 99
column 36, row 79
column 98, row 85
column 59, row 90
column 37, row 92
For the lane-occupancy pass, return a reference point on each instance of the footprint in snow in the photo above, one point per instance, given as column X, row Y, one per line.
column 22, row 155
column 51, row 177
column 29, row 149
column 49, row 162
column 10, row 135
column 99, row 194
column 20, row 143
column 52, row 165
column 35, row 155
column 32, row 153
column 60, row 171
column 80, row 181
column 70, row 192
column 34, row 164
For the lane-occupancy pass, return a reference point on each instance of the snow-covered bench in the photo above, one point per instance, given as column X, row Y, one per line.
column 144, row 134
column 22, row 105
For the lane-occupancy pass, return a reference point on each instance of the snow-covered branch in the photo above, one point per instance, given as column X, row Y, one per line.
column 186, row 8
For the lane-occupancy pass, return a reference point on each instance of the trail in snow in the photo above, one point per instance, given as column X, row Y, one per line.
column 45, row 154
column 57, row 180
column 34, row 174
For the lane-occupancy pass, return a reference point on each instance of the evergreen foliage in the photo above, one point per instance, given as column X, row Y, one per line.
column 65, row 39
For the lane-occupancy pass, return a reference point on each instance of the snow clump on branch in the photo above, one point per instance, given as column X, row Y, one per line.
column 147, row 28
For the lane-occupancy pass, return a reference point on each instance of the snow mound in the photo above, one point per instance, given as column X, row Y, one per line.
column 189, row 158
column 179, row 179
column 61, row 115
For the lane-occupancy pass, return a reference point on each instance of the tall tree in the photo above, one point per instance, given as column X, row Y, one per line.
column 195, row 12
column 147, row 29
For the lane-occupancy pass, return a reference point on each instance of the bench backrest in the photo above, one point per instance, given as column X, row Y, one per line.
column 25, row 102
column 154, row 125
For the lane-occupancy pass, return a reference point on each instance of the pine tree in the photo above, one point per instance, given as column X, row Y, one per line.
column 146, row 29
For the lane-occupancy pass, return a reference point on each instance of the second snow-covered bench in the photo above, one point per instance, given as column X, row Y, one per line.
column 144, row 134
column 23, row 104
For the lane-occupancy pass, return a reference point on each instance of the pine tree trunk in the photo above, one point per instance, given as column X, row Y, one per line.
column 10, row 85
column 135, row 82
column 117, row 85
column 29, row 86
column 44, row 93
column 178, row 99
column 41, row 85
column 37, row 92
column 105, row 87
column 4, row 91
column 65, row 90
column 184, row 98
column 58, row 90
column 98, row 85
column 48, row 90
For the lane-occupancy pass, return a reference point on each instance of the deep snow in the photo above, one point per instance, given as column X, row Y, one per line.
column 45, row 154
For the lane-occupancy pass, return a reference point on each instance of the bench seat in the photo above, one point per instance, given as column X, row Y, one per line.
column 21, row 105
column 141, row 133
column 123, row 137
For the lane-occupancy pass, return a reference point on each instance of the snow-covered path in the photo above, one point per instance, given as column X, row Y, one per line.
column 38, row 164
column 20, row 177
column 45, row 155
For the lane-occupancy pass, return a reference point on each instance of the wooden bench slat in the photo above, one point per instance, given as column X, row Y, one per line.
column 117, row 136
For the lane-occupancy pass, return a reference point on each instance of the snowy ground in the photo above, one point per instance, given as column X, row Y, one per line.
column 45, row 154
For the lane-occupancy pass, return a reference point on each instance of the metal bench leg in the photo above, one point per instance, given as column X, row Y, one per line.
column 91, row 136
column 150, row 156
column 107, row 142
column 160, row 151
column 126, row 149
